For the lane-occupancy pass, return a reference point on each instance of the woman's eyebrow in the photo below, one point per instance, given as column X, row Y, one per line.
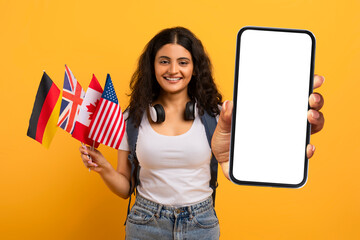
column 180, row 58
column 184, row 58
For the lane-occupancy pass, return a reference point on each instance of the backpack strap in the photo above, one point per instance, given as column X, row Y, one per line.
column 132, row 134
column 210, row 125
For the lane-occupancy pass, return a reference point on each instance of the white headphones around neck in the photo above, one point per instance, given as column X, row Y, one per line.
column 157, row 112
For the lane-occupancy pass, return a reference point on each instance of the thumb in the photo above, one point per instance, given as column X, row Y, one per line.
column 224, row 123
column 93, row 154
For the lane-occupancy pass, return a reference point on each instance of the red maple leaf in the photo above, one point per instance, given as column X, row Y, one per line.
column 91, row 109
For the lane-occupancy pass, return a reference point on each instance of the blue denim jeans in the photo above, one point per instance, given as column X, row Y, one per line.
column 150, row 220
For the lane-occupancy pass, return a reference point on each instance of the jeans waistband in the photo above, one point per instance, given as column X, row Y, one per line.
column 157, row 208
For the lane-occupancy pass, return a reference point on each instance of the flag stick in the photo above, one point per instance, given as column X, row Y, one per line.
column 87, row 155
column 92, row 149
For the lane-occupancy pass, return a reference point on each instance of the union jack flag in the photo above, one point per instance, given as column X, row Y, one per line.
column 72, row 97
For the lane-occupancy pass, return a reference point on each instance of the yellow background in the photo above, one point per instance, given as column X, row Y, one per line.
column 49, row 194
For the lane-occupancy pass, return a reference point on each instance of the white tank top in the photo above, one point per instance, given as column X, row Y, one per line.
column 175, row 170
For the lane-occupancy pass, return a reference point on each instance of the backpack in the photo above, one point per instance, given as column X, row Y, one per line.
column 209, row 123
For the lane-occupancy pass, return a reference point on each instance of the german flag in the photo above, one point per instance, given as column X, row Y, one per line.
column 44, row 117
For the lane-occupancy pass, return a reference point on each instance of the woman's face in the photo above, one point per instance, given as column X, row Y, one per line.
column 173, row 68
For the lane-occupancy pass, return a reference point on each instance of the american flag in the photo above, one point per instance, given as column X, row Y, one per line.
column 72, row 97
column 108, row 124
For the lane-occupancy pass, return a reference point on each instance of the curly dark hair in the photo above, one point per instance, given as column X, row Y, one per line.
column 202, row 88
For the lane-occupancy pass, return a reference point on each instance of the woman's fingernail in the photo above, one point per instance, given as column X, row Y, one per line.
column 225, row 105
column 315, row 114
column 323, row 79
column 313, row 148
column 316, row 98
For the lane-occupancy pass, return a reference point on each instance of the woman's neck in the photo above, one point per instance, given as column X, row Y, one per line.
column 177, row 100
column 174, row 106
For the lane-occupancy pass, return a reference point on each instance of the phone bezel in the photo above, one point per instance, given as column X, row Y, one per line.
column 308, row 128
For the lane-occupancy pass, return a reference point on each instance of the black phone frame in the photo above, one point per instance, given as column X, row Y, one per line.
column 308, row 128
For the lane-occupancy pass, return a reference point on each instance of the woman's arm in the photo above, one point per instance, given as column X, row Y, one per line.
column 118, row 181
column 220, row 143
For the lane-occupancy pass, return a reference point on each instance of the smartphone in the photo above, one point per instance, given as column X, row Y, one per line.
column 273, row 81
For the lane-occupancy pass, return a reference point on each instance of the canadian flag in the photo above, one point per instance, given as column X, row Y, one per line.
column 87, row 109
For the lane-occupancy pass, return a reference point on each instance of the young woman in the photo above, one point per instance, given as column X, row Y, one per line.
column 174, row 197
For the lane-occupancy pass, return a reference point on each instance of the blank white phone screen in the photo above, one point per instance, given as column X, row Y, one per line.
column 271, row 106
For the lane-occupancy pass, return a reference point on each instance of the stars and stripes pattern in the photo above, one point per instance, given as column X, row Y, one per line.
column 72, row 98
column 108, row 125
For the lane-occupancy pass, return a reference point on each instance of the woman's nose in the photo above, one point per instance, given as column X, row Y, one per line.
column 173, row 68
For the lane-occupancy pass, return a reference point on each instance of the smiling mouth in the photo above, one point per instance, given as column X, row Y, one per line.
column 172, row 79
